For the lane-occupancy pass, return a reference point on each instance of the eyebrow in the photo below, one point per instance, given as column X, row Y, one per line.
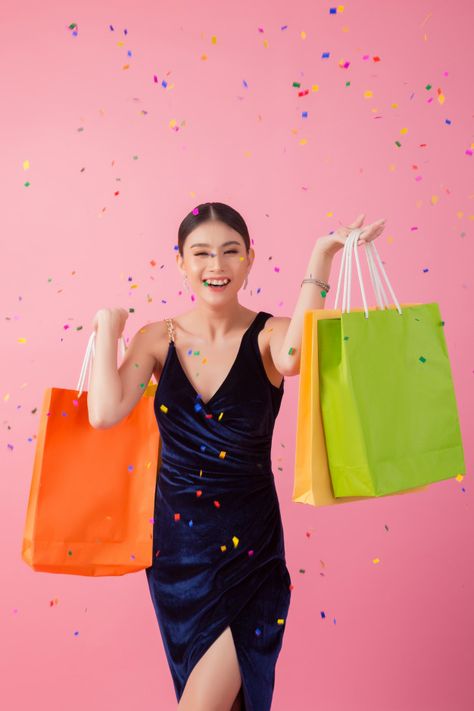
column 204, row 244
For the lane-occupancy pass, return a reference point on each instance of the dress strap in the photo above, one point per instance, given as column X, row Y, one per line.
column 169, row 323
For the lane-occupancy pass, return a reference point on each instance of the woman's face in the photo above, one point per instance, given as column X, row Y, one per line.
column 214, row 251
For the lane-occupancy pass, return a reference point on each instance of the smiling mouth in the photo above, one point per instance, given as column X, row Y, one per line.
column 208, row 284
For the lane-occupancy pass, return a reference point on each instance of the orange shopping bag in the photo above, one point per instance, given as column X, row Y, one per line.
column 312, row 481
column 91, row 502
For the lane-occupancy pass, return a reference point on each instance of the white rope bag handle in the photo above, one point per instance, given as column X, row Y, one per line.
column 350, row 246
column 87, row 362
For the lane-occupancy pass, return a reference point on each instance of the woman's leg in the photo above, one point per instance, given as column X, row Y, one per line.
column 215, row 681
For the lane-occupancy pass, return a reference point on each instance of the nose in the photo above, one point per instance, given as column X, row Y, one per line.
column 217, row 262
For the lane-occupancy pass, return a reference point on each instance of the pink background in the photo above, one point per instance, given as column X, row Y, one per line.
column 116, row 160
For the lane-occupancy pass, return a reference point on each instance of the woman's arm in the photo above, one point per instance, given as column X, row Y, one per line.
column 286, row 335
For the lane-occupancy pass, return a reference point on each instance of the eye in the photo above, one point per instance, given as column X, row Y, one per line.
column 229, row 251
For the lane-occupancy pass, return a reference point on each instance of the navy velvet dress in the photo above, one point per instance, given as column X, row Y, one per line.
column 218, row 543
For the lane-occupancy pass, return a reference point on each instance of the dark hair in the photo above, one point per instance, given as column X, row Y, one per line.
column 208, row 211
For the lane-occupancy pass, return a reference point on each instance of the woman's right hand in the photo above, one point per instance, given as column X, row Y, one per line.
column 113, row 318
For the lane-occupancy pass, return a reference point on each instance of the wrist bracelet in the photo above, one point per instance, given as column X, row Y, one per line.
column 322, row 284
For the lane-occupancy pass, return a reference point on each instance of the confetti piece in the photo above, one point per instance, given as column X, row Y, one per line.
column 217, row 504
column 177, row 517
column 199, row 492
column 281, row 621
column 163, row 408
column 423, row 360
column 258, row 631
column 223, row 548
column 222, row 454
column 235, row 541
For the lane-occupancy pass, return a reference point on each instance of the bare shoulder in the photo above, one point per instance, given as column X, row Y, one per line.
column 158, row 344
column 277, row 321
column 276, row 328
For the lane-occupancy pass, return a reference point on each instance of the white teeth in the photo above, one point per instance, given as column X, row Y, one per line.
column 215, row 282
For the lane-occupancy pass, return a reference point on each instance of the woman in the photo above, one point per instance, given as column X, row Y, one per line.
column 219, row 582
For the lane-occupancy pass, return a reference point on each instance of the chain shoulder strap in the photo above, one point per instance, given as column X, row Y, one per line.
column 169, row 323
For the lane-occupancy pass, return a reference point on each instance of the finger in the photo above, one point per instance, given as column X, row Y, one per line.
column 358, row 222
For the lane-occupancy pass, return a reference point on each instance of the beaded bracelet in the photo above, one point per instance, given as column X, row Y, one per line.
column 324, row 286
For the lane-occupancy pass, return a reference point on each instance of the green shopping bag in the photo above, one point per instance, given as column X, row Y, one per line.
column 386, row 393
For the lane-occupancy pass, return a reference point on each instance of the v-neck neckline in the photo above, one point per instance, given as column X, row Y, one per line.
column 232, row 367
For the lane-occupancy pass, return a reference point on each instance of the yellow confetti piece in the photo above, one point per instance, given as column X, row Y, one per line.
column 368, row 94
column 200, row 472
column 222, row 454
column 281, row 621
column 376, row 560
column 315, row 87
column 214, row 39
column 459, row 477
column 303, row 34
column 223, row 548
column 163, row 408
column 22, row 340
column 221, row 415
column 235, row 541
column 26, row 164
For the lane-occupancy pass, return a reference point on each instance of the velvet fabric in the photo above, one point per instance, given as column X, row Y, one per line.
column 218, row 542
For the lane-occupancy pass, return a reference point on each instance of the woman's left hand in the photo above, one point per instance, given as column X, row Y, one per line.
column 331, row 244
